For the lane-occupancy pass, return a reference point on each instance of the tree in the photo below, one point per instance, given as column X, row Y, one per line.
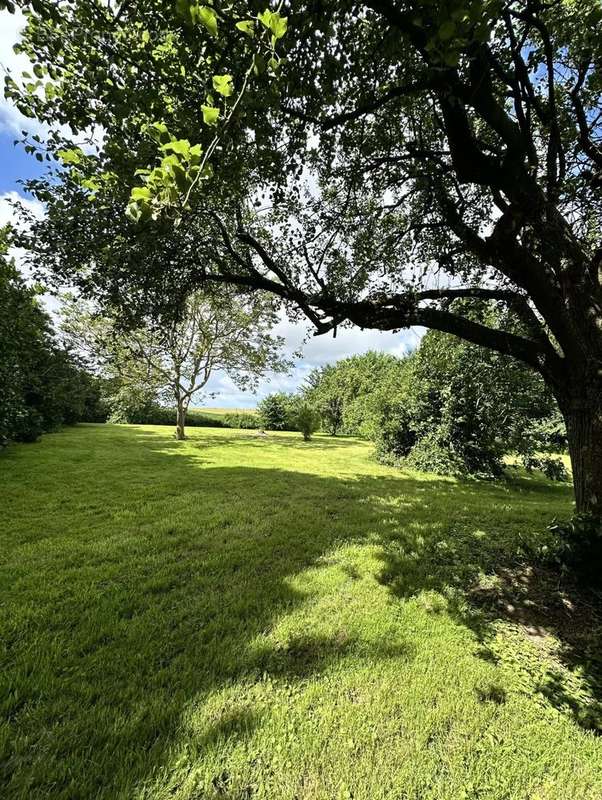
column 42, row 386
column 175, row 363
column 457, row 154
column 349, row 394
column 461, row 409
column 279, row 411
column 306, row 418
column 325, row 393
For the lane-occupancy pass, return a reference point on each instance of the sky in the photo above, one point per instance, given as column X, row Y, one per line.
column 16, row 166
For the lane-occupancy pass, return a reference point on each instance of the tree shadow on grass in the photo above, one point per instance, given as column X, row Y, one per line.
column 160, row 601
column 484, row 584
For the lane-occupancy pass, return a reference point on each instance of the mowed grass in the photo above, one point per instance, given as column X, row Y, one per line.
column 236, row 617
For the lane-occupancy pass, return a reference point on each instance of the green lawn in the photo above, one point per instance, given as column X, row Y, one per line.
column 234, row 618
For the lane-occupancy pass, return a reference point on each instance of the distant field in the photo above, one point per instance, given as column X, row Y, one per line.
column 239, row 618
column 215, row 411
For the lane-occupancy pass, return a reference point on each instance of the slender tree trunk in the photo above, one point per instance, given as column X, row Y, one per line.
column 181, row 420
column 583, row 416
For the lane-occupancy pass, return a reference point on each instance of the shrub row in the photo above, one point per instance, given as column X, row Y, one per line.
column 154, row 414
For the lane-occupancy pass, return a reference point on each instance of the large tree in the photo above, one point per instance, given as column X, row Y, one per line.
column 452, row 149
column 174, row 362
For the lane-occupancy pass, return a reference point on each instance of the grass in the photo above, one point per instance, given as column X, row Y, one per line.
column 238, row 618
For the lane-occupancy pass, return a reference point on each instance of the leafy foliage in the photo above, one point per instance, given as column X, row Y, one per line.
column 577, row 547
column 463, row 408
column 451, row 150
column 42, row 386
column 349, row 395
column 451, row 407
column 276, row 412
column 155, row 363
column 242, row 419
column 305, row 419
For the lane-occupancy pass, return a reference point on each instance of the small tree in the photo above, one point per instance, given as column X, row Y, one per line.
column 175, row 362
column 274, row 411
column 325, row 392
column 306, row 419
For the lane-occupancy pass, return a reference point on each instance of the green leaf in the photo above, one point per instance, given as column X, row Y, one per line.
column 141, row 193
column 38, row 71
column 92, row 184
column 138, row 211
column 180, row 146
column 172, row 166
column 196, row 151
column 274, row 22
column 447, row 30
column 159, row 133
column 145, row 37
column 210, row 115
column 278, row 25
column 183, row 9
column 265, row 18
column 452, row 59
column 247, row 26
column 73, row 156
column 208, row 18
column 223, row 84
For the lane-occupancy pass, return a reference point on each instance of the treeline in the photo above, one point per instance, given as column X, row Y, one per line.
column 449, row 407
column 42, row 385
column 152, row 413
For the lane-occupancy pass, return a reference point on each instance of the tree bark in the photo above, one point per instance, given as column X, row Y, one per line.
column 583, row 417
column 181, row 420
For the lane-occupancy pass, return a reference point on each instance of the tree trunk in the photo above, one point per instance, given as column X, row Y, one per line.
column 583, row 416
column 181, row 421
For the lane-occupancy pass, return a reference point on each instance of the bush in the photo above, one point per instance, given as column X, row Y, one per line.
column 578, row 548
column 394, row 436
column 277, row 412
column 42, row 386
column 28, row 426
column 466, row 408
column 307, row 420
column 430, row 454
column 243, row 420
column 552, row 468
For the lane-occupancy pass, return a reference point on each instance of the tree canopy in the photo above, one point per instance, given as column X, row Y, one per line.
column 388, row 159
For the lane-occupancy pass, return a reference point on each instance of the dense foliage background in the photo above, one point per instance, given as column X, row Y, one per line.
column 42, row 385
column 450, row 407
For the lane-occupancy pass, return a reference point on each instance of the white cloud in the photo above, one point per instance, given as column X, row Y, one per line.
column 11, row 119
column 7, row 212
column 8, row 216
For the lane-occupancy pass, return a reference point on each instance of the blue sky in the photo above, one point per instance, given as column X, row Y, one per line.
column 16, row 165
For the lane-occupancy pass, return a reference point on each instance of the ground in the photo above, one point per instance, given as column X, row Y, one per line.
column 235, row 617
